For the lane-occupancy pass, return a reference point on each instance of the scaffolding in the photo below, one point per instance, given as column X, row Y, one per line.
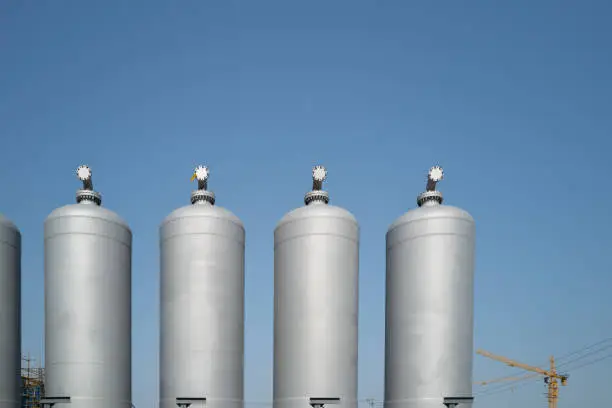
column 32, row 383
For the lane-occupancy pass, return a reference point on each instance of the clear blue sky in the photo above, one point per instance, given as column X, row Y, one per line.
column 513, row 99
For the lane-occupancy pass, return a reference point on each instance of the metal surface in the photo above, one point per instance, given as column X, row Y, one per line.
column 316, row 263
column 88, row 305
column 429, row 306
column 202, row 306
column 10, row 315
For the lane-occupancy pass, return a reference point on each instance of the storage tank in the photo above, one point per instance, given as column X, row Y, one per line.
column 429, row 304
column 88, row 252
column 202, row 304
column 316, row 264
column 10, row 314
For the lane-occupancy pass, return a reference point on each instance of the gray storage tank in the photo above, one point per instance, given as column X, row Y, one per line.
column 316, row 264
column 202, row 304
column 88, row 251
column 10, row 314
column 429, row 305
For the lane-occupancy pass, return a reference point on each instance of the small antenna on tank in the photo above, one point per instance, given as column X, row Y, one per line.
column 319, row 175
column 201, row 174
column 87, row 193
column 84, row 174
column 431, row 195
column 202, row 195
column 436, row 173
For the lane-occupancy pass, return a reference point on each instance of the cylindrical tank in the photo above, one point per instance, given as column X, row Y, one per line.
column 202, row 304
column 88, row 251
column 10, row 314
column 316, row 267
column 429, row 305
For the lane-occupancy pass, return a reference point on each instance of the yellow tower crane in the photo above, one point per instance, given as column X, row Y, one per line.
column 497, row 380
column 551, row 376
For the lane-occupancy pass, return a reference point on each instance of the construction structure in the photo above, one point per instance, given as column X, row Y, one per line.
column 32, row 383
column 551, row 377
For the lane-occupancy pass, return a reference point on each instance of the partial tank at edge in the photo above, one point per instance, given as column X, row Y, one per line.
column 10, row 314
column 316, row 265
column 202, row 304
column 88, row 251
column 430, row 305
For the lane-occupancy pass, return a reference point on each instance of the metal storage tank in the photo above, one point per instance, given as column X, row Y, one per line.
column 316, row 267
column 202, row 304
column 88, row 252
column 10, row 314
column 429, row 304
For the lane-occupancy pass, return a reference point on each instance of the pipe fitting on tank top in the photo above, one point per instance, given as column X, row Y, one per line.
column 87, row 195
column 319, row 174
column 202, row 195
column 431, row 196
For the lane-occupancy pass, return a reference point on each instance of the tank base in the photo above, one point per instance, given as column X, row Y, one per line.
column 83, row 402
column 200, row 403
column 431, row 403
